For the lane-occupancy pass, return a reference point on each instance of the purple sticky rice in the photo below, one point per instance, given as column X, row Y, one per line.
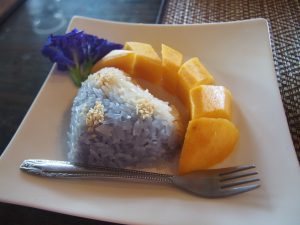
column 123, row 138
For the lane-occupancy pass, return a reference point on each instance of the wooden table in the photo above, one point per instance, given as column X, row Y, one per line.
column 23, row 70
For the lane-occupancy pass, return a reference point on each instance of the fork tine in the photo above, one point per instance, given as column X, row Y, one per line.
column 239, row 175
column 238, row 190
column 232, row 184
column 235, row 169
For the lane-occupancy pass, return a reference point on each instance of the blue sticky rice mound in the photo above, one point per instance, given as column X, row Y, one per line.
column 123, row 138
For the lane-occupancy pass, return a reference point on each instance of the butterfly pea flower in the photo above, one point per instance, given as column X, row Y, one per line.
column 77, row 52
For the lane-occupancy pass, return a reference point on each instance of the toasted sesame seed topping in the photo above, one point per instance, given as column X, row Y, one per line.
column 94, row 116
column 144, row 108
column 107, row 79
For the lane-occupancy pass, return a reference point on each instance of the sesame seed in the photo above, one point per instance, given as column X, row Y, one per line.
column 94, row 116
column 144, row 108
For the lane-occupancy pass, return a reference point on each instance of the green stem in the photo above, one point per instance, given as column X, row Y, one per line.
column 76, row 76
column 80, row 73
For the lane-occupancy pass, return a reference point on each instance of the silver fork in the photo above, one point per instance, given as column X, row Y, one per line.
column 213, row 183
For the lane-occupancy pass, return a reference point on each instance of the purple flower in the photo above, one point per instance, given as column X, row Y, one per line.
column 77, row 52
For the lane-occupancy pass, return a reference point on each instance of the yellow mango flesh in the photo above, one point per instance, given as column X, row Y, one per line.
column 171, row 62
column 147, row 63
column 210, row 101
column 121, row 59
column 191, row 74
column 208, row 141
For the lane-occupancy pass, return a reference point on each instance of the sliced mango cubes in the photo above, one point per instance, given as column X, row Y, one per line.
column 207, row 142
column 210, row 136
column 171, row 62
column 121, row 59
column 147, row 62
column 191, row 74
column 210, row 101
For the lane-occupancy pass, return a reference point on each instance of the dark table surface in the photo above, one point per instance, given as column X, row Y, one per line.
column 23, row 70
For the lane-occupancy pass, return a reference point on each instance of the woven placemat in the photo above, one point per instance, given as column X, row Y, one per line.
column 284, row 20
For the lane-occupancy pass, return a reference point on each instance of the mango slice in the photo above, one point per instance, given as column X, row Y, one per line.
column 171, row 62
column 147, row 62
column 191, row 74
column 121, row 59
column 210, row 101
column 208, row 141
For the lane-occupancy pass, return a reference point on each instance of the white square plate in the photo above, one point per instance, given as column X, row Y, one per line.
column 238, row 54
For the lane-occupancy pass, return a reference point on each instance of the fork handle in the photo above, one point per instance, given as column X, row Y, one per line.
column 126, row 176
column 63, row 169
